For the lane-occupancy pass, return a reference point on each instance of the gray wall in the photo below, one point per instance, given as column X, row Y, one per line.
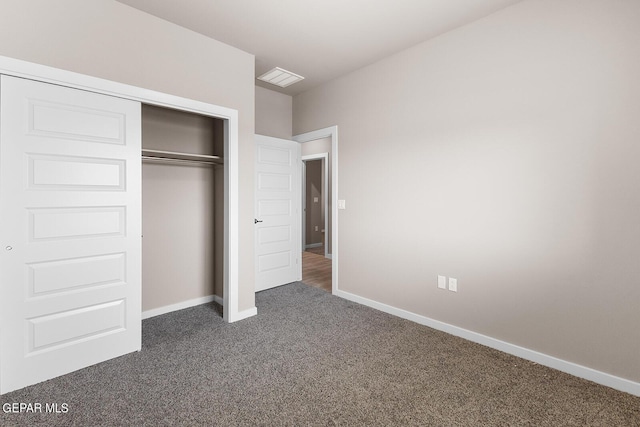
column 504, row 154
column 274, row 113
column 107, row 39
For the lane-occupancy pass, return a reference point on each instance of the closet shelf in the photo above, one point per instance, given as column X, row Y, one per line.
column 178, row 156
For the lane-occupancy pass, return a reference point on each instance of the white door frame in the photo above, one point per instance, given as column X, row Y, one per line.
column 329, row 132
column 28, row 70
column 325, row 200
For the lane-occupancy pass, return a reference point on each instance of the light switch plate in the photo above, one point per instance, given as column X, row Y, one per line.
column 453, row 284
column 442, row 282
column 315, row 200
column 342, row 204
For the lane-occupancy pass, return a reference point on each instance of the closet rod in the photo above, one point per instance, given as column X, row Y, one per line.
column 177, row 155
column 171, row 160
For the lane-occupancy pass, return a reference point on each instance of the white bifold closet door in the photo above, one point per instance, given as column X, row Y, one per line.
column 70, row 230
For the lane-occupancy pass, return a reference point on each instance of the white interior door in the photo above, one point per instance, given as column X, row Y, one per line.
column 277, row 227
column 70, row 230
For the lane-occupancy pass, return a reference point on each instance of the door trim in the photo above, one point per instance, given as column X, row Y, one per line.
column 329, row 132
column 46, row 74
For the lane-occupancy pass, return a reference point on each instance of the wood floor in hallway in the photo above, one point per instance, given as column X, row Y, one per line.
column 316, row 270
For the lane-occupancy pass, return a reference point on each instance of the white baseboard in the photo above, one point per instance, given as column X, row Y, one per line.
column 180, row 306
column 244, row 314
column 599, row 377
column 313, row 245
column 198, row 301
column 218, row 300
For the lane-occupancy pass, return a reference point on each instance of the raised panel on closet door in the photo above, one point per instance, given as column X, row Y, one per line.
column 70, row 230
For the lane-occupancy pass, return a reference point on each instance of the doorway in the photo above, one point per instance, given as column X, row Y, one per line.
column 315, row 204
column 319, row 258
column 316, row 261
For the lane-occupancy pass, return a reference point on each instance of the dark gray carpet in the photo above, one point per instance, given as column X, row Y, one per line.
column 309, row 358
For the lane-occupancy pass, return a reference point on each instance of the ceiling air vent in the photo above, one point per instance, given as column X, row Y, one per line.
column 280, row 77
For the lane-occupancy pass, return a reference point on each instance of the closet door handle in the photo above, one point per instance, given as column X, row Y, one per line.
column 255, row 221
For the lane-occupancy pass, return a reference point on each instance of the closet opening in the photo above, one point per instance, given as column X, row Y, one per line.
column 182, row 210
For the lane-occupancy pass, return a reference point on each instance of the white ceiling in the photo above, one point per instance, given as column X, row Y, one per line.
column 319, row 39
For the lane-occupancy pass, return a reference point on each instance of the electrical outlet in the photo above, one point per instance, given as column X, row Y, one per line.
column 316, row 228
column 453, row 284
column 442, row 282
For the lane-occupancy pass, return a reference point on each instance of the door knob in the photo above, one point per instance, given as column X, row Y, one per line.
column 255, row 221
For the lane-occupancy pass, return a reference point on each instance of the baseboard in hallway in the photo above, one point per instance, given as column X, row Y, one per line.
column 318, row 250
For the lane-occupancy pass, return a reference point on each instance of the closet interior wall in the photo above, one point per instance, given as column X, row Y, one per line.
column 182, row 210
